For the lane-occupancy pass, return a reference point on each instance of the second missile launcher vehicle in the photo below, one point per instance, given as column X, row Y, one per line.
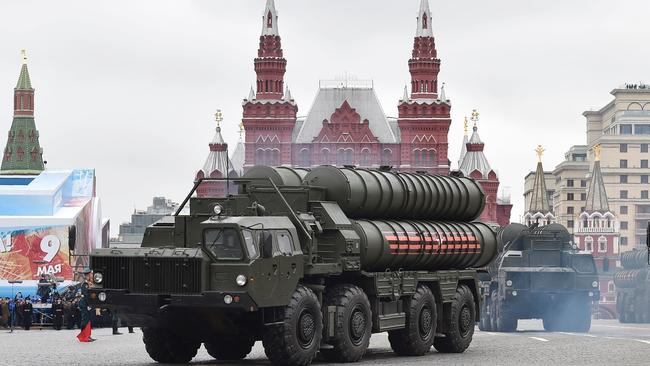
column 538, row 274
column 306, row 262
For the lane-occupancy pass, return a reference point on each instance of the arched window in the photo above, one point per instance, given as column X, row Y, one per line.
column 602, row 244
column 325, row 156
column 275, row 157
column 416, row 157
column 304, row 158
column 20, row 153
column 610, row 286
column 269, row 20
column 386, row 157
column 425, row 21
column 365, row 157
column 596, row 222
column 589, row 244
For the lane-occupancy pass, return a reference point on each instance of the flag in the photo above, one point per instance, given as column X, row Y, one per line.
column 84, row 335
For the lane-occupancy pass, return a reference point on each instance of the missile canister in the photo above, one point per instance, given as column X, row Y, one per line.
column 631, row 278
column 424, row 245
column 281, row 176
column 635, row 259
column 364, row 193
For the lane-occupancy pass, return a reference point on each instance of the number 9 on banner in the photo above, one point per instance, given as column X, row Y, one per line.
column 50, row 245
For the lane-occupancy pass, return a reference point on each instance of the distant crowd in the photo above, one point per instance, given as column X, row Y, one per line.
column 51, row 308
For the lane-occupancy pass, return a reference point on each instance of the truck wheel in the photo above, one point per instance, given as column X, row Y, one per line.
column 582, row 320
column 551, row 322
column 230, row 348
column 460, row 323
column 485, row 323
column 165, row 346
column 505, row 322
column 352, row 326
column 421, row 321
column 493, row 316
column 297, row 339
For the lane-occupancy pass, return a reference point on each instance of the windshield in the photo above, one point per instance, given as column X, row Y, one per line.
column 251, row 246
column 223, row 243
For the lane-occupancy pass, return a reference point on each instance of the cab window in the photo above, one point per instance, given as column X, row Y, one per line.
column 285, row 244
column 251, row 247
column 223, row 243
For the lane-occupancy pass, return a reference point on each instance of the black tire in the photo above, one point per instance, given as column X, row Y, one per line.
column 493, row 315
column 582, row 321
column 551, row 323
column 505, row 322
column 352, row 326
column 417, row 337
column 485, row 323
column 296, row 341
column 460, row 323
column 230, row 348
column 165, row 346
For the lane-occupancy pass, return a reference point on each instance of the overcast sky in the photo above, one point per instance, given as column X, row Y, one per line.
column 130, row 87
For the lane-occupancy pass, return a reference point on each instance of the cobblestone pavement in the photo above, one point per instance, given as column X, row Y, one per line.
column 608, row 343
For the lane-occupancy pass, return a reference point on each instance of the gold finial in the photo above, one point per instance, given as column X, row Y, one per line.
column 475, row 115
column 23, row 54
column 540, row 151
column 465, row 125
column 218, row 117
column 596, row 150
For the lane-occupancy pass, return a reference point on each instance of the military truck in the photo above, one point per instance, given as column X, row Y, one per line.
column 538, row 274
column 306, row 262
column 633, row 288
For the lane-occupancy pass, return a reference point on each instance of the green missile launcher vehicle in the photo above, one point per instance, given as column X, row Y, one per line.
column 307, row 262
column 539, row 274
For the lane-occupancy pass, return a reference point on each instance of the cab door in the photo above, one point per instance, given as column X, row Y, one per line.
column 290, row 262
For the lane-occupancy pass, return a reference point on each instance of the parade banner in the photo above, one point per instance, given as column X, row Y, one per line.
column 26, row 254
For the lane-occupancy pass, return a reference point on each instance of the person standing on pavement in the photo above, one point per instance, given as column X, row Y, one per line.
column 12, row 313
column 116, row 320
column 28, row 311
column 57, row 312
column 84, row 309
column 4, row 310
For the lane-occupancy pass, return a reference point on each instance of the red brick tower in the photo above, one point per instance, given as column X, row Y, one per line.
column 424, row 117
column 269, row 114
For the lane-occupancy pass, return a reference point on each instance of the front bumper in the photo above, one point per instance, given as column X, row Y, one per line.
column 140, row 303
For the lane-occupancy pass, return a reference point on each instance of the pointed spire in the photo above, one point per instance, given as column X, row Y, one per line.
column 22, row 153
column 405, row 97
column 24, row 82
column 443, row 96
column 463, row 148
column 539, row 199
column 251, row 94
column 474, row 158
column 597, row 195
column 270, row 20
column 287, row 94
column 424, row 20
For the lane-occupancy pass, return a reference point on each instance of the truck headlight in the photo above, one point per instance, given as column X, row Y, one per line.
column 227, row 299
column 217, row 209
column 514, row 293
column 594, row 284
column 98, row 277
column 509, row 283
column 241, row 280
column 102, row 296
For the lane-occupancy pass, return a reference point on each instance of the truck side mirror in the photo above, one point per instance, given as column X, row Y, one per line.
column 72, row 237
column 266, row 241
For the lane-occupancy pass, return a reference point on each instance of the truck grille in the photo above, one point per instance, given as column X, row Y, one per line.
column 150, row 275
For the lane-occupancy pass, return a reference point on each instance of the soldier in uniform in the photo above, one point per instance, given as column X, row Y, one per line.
column 57, row 311
column 28, row 310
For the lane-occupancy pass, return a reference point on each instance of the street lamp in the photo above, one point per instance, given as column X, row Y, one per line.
column 13, row 316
